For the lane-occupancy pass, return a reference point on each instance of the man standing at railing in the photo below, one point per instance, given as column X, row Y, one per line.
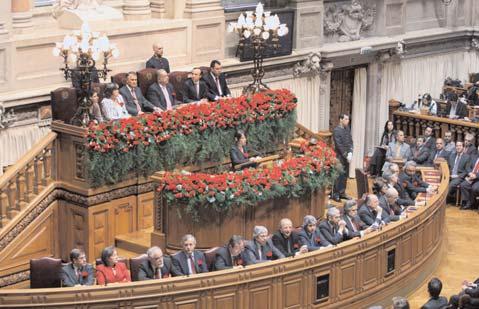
column 343, row 146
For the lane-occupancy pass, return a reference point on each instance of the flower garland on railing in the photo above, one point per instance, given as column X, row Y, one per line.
column 191, row 134
column 315, row 167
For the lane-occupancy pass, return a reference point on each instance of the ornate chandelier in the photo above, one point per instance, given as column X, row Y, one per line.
column 260, row 30
column 82, row 50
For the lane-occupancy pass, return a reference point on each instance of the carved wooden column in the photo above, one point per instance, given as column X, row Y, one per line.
column 136, row 9
column 21, row 14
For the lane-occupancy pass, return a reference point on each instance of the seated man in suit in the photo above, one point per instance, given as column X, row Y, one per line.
column 333, row 228
column 392, row 181
column 189, row 261
column 231, row 255
column 412, row 182
column 162, row 94
column 157, row 61
column 398, row 150
column 354, row 226
column 459, row 166
column 157, row 266
column 436, row 301
column 456, row 108
column 78, row 271
column 449, row 143
column 261, row 248
column 372, row 214
column 216, row 82
column 438, row 152
column 194, row 89
column 469, row 288
column 309, row 235
column 136, row 103
column 470, row 186
column 400, row 302
column 420, row 153
column 470, row 145
column 286, row 240
column 429, row 139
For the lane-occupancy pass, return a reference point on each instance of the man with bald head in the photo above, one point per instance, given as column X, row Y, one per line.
column 162, row 94
column 194, row 89
column 438, row 152
column 286, row 239
column 371, row 213
column 157, row 61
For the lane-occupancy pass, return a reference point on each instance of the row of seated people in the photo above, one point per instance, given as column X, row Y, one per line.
column 456, row 107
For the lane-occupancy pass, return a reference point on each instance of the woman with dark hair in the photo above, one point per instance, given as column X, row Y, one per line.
column 113, row 104
column 379, row 157
column 94, row 110
column 241, row 154
column 111, row 271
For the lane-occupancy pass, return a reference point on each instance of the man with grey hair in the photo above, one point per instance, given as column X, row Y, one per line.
column 157, row 61
column 397, row 150
column 469, row 145
column 413, row 182
column 230, row 255
column 354, row 226
column 333, row 228
column 286, row 239
column 156, row 266
column 309, row 235
column 261, row 248
column 391, row 205
column 189, row 261
column 161, row 93
column 372, row 214
column 400, row 303
column 393, row 182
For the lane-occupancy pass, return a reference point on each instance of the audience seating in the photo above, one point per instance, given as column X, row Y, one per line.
column 361, row 182
column 135, row 265
column 146, row 78
column 45, row 273
column 119, row 79
column 64, row 103
column 210, row 256
column 468, row 302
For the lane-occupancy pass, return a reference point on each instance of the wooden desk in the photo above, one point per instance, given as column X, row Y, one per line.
column 355, row 274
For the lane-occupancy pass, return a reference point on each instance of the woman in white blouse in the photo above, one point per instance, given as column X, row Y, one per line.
column 113, row 104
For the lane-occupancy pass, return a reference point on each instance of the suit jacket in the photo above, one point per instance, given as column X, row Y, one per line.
column 350, row 232
column 70, row 278
column 435, row 303
column 212, row 87
column 268, row 252
column 403, row 196
column 106, row 272
column 471, row 151
column 157, row 98
column 443, row 153
column 238, row 157
column 330, row 233
column 430, row 142
column 224, row 260
column 412, row 184
column 404, row 151
column 369, row 217
column 421, row 155
column 281, row 243
column 343, row 142
column 146, row 270
column 145, row 105
column 158, row 63
column 180, row 262
column 463, row 165
column 189, row 91
column 312, row 241
column 461, row 109
column 388, row 209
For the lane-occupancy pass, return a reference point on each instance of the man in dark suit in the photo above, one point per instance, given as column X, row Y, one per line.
column 470, row 186
column 332, row 229
column 434, row 288
column 156, row 266
column 392, row 180
column 162, row 94
column 216, row 82
column 459, row 166
column 230, row 256
column 372, row 214
column 309, row 235
column 429, row 139
column 189, row 261
column 343, row 146
column 194, row 89
column 286, row 240
column 77, row 272
column 136, row 103
column 439, row 152
column 469, row 288
column 157, row 61
column 261, row 248
column 354, row 226
column 456, row 109
column 412, row 182
column 469, row 145
column 420, row 153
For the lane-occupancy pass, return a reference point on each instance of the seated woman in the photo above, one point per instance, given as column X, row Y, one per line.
column 111, row 270
column 240, row 153
column 113, row 105
column 94, row 109
column 379, row 157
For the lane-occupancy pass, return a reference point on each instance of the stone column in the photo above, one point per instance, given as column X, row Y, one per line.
column 136, row 9
column 308, row 28
column 5, row 17
column 158, row 8
column 21, row 14
column 376, row 111
column 207, row 29
column 324, row 96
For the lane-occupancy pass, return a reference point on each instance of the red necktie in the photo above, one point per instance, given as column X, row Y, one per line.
column 136, row 100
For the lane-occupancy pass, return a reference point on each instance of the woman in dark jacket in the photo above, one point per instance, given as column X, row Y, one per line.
column 240, row 153
column 377, row 160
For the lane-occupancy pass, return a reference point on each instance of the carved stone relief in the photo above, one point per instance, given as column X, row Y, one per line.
column 6, row 118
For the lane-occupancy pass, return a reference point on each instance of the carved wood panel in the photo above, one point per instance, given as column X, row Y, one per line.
column 342, row 85
column 292, row 297
column 260, row 297
column 145, row 210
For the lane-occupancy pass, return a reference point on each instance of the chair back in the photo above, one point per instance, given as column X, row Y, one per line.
column 146, row 78
column 210, row 256
column 119, row 79
column 45, row 273
column 361, row 182
column 120, row 260
column 135, row 265
column 176, row 80
column 64, row 103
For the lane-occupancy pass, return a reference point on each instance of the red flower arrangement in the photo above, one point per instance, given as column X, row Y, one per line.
column 125, row 134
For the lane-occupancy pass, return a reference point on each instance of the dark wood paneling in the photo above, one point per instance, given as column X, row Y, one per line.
column 342, row 86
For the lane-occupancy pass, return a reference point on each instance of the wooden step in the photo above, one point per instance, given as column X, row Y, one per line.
column 136, row 242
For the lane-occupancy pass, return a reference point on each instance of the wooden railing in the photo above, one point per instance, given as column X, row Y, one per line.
column 23, row 181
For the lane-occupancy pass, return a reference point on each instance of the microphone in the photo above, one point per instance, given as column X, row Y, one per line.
column 103, row 273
